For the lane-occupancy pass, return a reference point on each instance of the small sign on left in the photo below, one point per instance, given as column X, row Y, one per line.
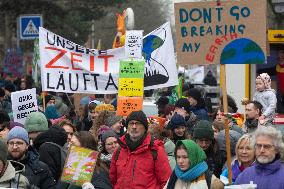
column 29, row 26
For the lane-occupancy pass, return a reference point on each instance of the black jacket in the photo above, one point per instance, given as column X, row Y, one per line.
column 36, row 171
column 49, row 153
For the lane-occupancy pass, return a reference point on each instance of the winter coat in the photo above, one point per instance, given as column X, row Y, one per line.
column 13, row 176
column 221, row 140
column 170, row 150
column 236, row 171
column 36, row 171
column 264, row 175
column 268, row 100
column 138, row 169
column 100, row 180
column 6, row 106
column 200, row 183
column 50, row 154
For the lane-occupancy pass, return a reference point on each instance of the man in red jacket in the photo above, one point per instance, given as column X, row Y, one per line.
column 140, row 162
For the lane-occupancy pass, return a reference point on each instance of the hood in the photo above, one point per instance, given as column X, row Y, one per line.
column 12, row 169
column 170, row 147
column 54, row 134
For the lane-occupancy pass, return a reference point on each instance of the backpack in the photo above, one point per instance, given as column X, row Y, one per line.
column 63, row 153
column 153, row 151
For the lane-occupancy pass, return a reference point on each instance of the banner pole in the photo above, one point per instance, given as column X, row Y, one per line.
column 225, row 107
column 43, row 100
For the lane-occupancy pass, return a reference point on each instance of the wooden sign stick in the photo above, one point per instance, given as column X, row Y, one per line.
column 225, row 106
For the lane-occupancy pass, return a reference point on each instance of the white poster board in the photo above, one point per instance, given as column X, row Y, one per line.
column 134, row 43
column 23, row 103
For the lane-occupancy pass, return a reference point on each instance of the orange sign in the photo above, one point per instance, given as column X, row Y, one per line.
column 125, row 105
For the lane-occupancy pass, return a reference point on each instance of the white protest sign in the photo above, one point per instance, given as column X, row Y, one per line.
column 71, row 68
column 133, row 43
column 23, row 103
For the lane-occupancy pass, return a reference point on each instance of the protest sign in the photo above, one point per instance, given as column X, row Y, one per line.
column 203, row 30
column 133, row 43
column 79, row 166
column 13, row 63
column 23, row 103
column 130, row 87
column 131, row 68
column 126, row 105
column 70, row 68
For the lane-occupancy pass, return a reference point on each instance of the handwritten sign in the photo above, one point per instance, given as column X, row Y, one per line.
column 204, row 29
column 131, row 69
column 125, row 105
column 79, row 166
column 134, row 43
column 23, row 103
column 130, row 87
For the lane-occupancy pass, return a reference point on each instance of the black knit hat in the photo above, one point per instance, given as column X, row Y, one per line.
column 195, row 93
column 162, row 101
column 3, row 151
column 176, row 121
column 203, row 129
column 138, row 116
column 10, row 87
column 183, row 103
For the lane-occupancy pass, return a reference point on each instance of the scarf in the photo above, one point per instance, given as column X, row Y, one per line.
column 192, row 173
column 133, row 145
column 187, row 176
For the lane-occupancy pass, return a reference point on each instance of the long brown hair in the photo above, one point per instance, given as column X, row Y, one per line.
column 87, row 140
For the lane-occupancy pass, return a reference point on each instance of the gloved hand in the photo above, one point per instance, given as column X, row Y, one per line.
column 88, row 185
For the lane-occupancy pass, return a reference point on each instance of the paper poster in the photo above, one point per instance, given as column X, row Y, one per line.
column 131, row 69
column 125, row 105
column 130, row 87
column 23, row 103
column 79, row 166
column 203, row 30
column 133, row 43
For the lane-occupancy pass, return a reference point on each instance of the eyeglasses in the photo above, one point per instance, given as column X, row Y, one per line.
column 111, row 143
column 135, row 123
column 264, row 146
column 15, row 143
column 2, row 128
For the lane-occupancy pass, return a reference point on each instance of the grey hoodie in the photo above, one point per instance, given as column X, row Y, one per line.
column 13, row 178
column 268, row 100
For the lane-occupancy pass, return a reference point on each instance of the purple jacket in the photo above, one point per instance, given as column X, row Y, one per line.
column 264, row 175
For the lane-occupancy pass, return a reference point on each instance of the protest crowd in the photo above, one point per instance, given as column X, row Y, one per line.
column 81, row 122
column 182, row 147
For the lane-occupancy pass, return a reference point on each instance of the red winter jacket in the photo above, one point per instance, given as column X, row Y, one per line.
column 138, row 169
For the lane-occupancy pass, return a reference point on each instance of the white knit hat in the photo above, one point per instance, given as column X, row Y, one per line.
column 266, row 80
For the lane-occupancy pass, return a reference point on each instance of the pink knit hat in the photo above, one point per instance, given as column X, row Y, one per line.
column 266, row 80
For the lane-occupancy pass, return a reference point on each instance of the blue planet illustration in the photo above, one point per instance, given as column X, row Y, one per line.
column 242, row 51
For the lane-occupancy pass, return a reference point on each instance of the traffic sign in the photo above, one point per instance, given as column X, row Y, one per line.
column 29, row 26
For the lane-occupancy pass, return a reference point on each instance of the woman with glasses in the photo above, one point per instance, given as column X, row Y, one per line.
column 244, row 158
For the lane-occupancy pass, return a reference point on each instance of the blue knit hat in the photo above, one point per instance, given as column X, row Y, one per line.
column 176, row 121
column 18, row 132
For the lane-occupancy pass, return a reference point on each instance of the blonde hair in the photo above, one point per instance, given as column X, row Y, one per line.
column 246, row 138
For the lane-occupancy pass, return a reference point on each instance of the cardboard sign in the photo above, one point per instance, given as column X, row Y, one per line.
column 125, row 105
column 23, row 103
column 203, row 30
column 79, row 166
column 70, row 68
column 131, row 69
column 134, row 43
column 130, row 87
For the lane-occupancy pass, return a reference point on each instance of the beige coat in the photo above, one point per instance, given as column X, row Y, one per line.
column 199, row 184
column 13, row 178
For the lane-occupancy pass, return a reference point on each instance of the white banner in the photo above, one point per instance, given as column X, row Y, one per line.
column 23, row 103
column 71, row 68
